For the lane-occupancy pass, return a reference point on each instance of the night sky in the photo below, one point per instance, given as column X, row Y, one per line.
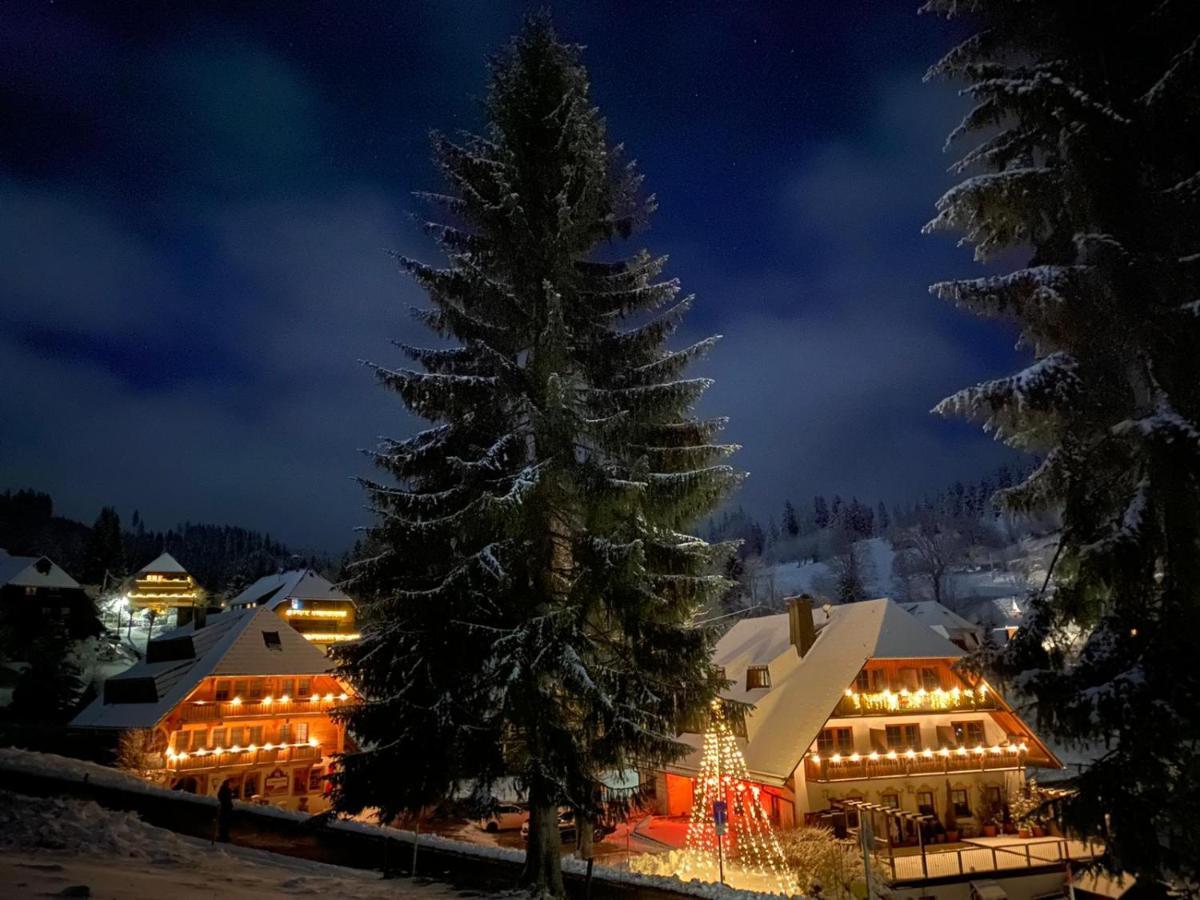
column 195, row 203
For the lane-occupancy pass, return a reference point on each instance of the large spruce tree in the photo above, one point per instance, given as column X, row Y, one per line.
column 1086, row 160
column 534, row 583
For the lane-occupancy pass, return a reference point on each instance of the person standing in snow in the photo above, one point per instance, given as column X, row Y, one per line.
column 224, row 811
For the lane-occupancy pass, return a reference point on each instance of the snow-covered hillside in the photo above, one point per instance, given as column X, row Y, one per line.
column 982, row 588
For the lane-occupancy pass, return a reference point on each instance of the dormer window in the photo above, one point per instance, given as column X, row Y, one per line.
column 758, row 677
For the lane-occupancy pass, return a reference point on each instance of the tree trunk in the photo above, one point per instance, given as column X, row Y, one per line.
column 543, row 853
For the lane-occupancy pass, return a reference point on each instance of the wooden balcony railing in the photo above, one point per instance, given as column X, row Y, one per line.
column 225, row 759
column 896, row 764
column 214, row 711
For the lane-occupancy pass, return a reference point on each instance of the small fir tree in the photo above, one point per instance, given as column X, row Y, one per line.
column 104, row 555
column 535, row 586
column 48, row 690
column 1086, row 159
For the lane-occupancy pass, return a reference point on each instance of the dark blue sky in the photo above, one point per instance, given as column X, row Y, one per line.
column 195, row 201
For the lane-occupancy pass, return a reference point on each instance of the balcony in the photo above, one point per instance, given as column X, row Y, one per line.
column 901, row 763
column 215, row 711
column 904, row 701
column 227, row 759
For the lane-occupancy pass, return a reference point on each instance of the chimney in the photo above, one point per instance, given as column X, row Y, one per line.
column 800, row 623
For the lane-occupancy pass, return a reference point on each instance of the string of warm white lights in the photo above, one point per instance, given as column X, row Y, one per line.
column 251, row 748
column 750, row 843
column 911, row 754
column 268, row 700
column 938, row 698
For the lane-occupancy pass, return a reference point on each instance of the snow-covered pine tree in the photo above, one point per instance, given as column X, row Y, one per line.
column 1087, row 157
column 535, row 585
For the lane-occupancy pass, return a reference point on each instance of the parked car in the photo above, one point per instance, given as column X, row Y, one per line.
column 566, row 828
column 507, row 817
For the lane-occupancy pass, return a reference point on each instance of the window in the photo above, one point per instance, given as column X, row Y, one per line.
column 256, row 688
column 866, row 680
column 299, row 732
column 237, row 737
column 968, row 734
column 285, row 733
column 836, row 740
column 218, row 738
column 250, row 785
column 287, row 687
column 931, row 679
column 304, row 687
column 910, row 678
column 300, row 781
column 222, row 690
column 993, row 800
column 904, row 737
column 314, row 779
column 271, row 639
column 758, row 677
column 239, row 688
column 925, row 803
column 961, row 806
column 256, row 734
column 892, row 800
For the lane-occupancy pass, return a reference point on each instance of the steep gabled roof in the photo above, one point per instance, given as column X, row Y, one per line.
column 297, row 584
column 804, row 692
column 935, row 615
column 245, row 642
column 33, row 571
column 164, row 563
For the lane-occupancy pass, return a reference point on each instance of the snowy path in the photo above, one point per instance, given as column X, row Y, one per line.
column 48, row 846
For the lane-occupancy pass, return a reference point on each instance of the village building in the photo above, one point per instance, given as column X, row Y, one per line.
column 233, row 697
column 861, row 704
column 35, row 591
column 306, row 601
column 162, row 586
column 964, row 634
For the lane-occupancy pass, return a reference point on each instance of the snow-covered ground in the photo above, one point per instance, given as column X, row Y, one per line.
column 56, row 846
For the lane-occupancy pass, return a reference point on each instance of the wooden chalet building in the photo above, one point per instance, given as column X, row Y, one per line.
column 236, row 696
column 860, row 703
column 35, row 591
column 307, row 602
column 163, row 585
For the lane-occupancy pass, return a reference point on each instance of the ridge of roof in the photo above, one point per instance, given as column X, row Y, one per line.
column 164, row 562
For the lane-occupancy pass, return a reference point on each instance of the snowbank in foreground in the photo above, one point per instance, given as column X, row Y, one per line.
column 49, row 764
column 48, row 845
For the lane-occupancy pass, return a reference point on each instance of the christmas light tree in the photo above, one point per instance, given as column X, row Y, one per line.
column 749, row 846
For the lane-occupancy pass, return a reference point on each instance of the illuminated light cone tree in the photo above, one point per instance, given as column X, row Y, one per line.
column 749, row 845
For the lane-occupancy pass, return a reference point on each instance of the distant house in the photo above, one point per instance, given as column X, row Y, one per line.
column 163, row 585
column 306, row 601
column 235, row 696
column 949, row 624
column 34, row 590
column 860, row 703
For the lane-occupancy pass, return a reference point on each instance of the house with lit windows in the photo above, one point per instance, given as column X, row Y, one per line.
column 861, row 704
column 238, row 697
column 163, row 586
column 307, row 602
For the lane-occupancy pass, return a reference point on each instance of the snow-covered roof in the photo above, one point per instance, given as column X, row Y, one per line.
column 296, row 584
column 933, row 614
column 33, row 571
column 240, row 642
column 789, row 714
column 164, row 563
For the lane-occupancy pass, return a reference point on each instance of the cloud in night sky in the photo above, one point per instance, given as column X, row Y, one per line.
column 196, row 218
